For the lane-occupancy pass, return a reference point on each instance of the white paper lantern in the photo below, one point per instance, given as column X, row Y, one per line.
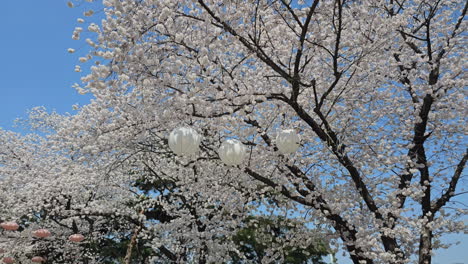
column 232, row 152
column 287, row 141
column 184, row 141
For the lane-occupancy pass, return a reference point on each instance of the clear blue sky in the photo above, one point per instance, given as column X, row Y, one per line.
column 36, row 70
column 35, row 67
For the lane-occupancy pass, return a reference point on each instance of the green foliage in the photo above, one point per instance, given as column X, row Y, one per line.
column 112, row 251
column 253, row 240
column 261, row 233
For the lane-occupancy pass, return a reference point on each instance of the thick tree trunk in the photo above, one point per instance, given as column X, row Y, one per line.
column 425, row 246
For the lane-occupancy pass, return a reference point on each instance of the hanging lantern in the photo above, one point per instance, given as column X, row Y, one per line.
column 38, row 259
column 41, row 233
column 184, row 141
column 232, row 152
column 9, row 226
column 287, row 141
column 8, row 260
column 76, row 238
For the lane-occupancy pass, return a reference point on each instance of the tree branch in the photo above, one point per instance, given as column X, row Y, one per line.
column 254, row 47
column 452, row 186
column 347, row 234
column 297, row 61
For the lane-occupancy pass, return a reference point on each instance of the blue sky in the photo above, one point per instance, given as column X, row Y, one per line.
column 35, row 67
column 37, row 70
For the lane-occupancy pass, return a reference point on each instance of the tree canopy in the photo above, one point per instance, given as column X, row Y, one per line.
column 374, row 89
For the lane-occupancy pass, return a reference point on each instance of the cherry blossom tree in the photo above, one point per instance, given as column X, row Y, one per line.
column 122, row 198
column 39, row 190
column 374, row 88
